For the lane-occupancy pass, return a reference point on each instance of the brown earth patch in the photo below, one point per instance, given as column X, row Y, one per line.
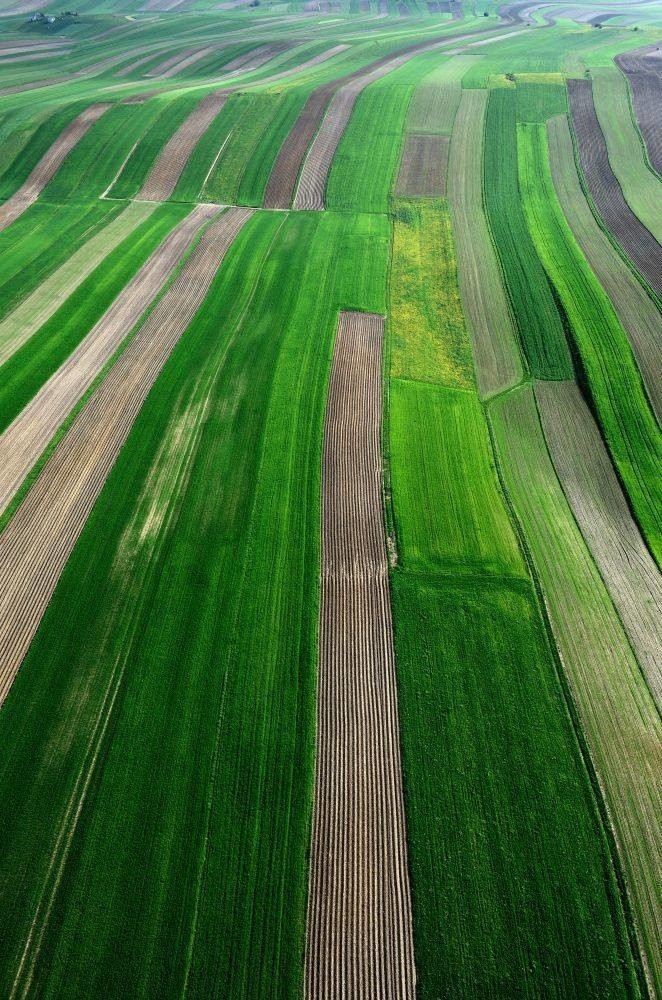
column 359, row 941
column 629, row 232
column 423, row 167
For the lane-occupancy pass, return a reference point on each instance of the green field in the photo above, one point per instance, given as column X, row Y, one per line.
column 331, row 624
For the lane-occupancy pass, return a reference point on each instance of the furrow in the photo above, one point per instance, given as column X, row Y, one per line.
column 359, row 940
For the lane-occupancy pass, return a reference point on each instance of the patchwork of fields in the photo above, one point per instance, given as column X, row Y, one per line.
column 330, row 500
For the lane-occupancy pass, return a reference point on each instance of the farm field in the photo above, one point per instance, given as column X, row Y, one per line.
column 330, row 506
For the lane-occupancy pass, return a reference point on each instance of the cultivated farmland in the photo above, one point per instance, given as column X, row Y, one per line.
column 330, row 508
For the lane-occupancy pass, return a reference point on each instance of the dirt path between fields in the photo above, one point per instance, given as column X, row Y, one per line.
column 38, row 540
column 26, row 438
column 359, row 941
column 49, row 164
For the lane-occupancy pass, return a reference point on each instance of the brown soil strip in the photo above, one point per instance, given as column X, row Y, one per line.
column 49, row 164
column 27, row 437
column 38, row 540
column 167, row 170
column 172, row 65
column 593, row 492
column 644, row 71
column 31, row 313
column 629, row 232
column 359, row 941
column 423, row 167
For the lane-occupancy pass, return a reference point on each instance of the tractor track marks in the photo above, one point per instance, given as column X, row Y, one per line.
column 28, row 435
column 628, row 231
column 49, row 164
column 39, row 538
column 162, row 178
column 359, row 941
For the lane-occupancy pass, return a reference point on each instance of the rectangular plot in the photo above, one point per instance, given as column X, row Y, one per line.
column 358, row 851
column 423, row 166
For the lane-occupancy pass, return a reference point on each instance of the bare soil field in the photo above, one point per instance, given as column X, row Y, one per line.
column 165, row 173
column 632, row 236
column 25, row 439
column 359, row 912
column 39, row 538
column 594, row 494
column 423, row 167
column 644, row 72
column 255, row 58
column 37, row 308
column 171, row 66
column 28, row 193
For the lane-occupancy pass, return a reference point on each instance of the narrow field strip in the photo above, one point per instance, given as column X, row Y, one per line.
column 317, row 164
column 47, row 298
column 359, row 941
column 165, row 173
column 494, row 338
column 595, row 496
column 635, row 309
column 627, row 230
column 37, row 542
column 28, row 193
column 27, row 436
column 174, row 64
column 616, row 710
column 643, row 69
column 423, row 167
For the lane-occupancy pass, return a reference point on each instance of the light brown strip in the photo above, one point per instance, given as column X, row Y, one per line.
column 25, row 439
column 359, row 910
column 167, row 170
column 49, row 164
column 38, row 540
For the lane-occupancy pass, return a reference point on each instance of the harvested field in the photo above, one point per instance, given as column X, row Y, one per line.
column 38, row 540
column 25, row 439
column 602, row 513
column 25, row 320
column 636, row 310
column 167, row 170
column 423, row 167
column 359, row 913
column 28, row 193
column 632, row 236
column 644, row 72
column 493, row 335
